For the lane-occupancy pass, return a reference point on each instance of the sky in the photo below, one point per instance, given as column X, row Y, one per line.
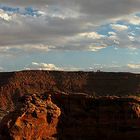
column 70, row 35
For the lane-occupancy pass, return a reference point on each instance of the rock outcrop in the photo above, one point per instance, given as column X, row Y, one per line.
column 33, row 119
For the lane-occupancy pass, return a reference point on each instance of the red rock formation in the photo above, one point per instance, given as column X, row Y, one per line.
column 34, row 119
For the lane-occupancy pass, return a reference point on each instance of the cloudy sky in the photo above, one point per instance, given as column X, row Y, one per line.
column 70, row 35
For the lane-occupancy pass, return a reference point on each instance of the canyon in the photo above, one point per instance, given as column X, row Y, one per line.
column 58, row 105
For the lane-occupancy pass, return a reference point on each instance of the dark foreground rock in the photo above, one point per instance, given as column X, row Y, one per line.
column 105, row 118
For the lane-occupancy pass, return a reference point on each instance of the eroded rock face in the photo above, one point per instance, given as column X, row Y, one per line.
column 34, row 119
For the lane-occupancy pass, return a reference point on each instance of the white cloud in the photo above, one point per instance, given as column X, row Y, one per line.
column 92, row 35
column 112, row 33
column 132, row 38
column 5, row 16
column 114, row 37
column 133, row 19
column 119, row 27
column 134, row 66
column 42, row 66
column 35, row 63
column 48, row 66
column 95, row 48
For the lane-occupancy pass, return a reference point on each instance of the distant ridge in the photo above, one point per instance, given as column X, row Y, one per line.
column 16, row 84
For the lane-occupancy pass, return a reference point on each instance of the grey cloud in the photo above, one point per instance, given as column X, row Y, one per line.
column 95, row 7
column 61, row 32
column 45, row 30
column 24, row 3
column 109, row 7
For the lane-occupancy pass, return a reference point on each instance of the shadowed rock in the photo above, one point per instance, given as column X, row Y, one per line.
column 105, row 118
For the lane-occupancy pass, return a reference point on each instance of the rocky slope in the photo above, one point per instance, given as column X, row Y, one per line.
column 16, row 84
